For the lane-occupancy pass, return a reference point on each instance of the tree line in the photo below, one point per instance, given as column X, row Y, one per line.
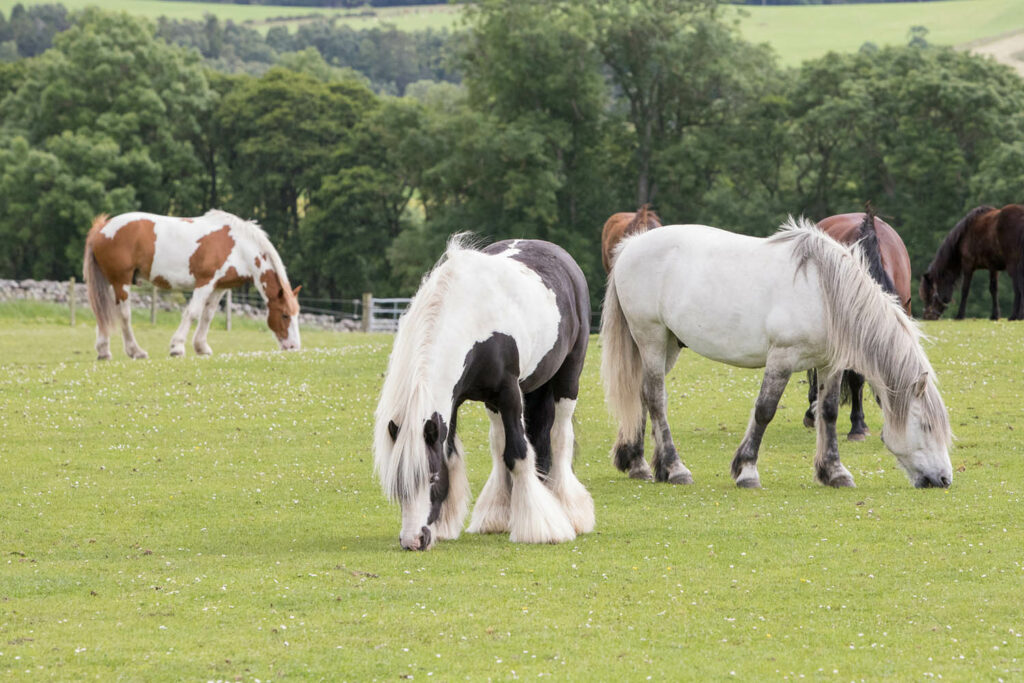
column 562, row 113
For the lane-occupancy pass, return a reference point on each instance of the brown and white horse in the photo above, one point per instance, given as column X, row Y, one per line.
column 208, row 254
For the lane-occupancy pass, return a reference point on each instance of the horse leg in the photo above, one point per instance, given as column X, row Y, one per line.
column 1017, row 276
column 628, row 456
column 993, row 290
column 562, row 480
column 858, row 427
column 964, row 291
column 828, row 469
column 536, row 514
column 131, row 347
column 455, row 506
column 493, row 508
column 203, row 328
column 657, row 358
column 744, row 463
column 812, row 397
column 102, row 336
column 193, row 310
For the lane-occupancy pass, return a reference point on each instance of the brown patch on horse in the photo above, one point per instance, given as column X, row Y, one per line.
column 624, row 223
column 130, row 250
column 160, row 282
column 281, row 304
column 212, row 251
column 232, row 279
column 257, row 260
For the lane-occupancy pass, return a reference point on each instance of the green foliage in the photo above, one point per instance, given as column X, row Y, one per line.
column 214, row 518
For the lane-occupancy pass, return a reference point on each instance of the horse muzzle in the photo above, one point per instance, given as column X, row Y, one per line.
column 941, row 481
column 421, row 542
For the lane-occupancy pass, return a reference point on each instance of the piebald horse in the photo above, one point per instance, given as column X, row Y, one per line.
column 620, row 225
column 889, row 265
column 209, row 255
column 507, row 325
column 790, row 302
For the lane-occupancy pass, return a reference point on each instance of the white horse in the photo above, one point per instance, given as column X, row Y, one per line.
column 790, row 302
column 208, row 254
column 507, row 325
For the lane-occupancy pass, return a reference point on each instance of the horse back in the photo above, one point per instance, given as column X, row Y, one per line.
column 845, row 229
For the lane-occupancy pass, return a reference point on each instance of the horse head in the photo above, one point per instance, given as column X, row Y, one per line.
column 282, row 311
column 921, row 446
column 936, row 293
column 420, row 496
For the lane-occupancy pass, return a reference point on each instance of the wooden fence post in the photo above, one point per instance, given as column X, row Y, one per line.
column 227, row 308
column 152, row 305
column 71, row 298
column 367, row 311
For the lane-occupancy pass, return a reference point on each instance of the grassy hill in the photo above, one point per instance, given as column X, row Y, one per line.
column 796, row 32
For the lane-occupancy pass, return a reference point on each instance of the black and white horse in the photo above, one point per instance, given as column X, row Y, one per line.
column 507, row 325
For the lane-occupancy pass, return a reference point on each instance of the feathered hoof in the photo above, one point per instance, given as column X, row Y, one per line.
column 748, row 478
column 177, row 352
column 838, row 478
column 138, row 354
column 493, row 520
column 640, row 470
column 808, row 421
column 676, row 473
column 204, row 351
column 537, row 514
column 579, row 506
column 103, row 356
column 856, row 436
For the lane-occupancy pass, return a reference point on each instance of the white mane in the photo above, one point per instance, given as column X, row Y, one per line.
column 405, row 397
column 252, row 231
column 868, row 329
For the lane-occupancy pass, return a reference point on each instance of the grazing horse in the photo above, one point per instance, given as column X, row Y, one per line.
column 507, row 325
column 889, row 265
column 986, row 238
column 789, row 302
column 209, row 254
column 622, row 224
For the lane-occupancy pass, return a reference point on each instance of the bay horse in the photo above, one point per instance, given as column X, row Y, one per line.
column 789, row 302
column 889, row 264
column 208, row 254
column 507, row 325
column 622, row 224
column 986, row 238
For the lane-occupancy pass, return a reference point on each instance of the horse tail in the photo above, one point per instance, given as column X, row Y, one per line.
column 621, row 366
column 868, row 242
column 101, row 293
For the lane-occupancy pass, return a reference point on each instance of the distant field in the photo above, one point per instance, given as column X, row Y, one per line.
column 796, row 32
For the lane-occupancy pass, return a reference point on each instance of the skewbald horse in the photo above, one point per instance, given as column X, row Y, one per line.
column 209, row 254
column 622, row 224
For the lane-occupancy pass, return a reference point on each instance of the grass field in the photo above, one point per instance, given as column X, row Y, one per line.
column 216, row 518
column 796, row 32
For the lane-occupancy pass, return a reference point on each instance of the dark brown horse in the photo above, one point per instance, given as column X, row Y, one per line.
column 986, row 238
column 889, row 265
column 622, row 224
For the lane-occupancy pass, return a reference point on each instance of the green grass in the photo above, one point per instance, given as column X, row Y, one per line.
column 796, row 32
column 216, row 518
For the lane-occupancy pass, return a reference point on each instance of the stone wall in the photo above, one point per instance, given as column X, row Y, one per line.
column 57, row 292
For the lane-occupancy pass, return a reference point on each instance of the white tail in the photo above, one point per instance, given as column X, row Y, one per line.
column 101, row 293
column 621, row 367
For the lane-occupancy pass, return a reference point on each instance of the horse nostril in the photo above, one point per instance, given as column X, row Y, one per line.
column 946, row 481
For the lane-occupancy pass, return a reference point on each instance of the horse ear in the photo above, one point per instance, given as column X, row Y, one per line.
column 392, row 429
column 430, row 432
column 295, row 292
column 920, row 385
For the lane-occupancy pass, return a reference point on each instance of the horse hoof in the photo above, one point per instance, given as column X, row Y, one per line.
column 140, row 355
column 641, row 471
column 681, row 478
column 808, row 421
column 843, row 481
column 749, row 483
column 856, row 436
column 176, row 353
column 103, row 357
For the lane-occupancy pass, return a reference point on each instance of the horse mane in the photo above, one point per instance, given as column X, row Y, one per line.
column 252, row 230
column 948, row 252
column 867, row 328
column 402, row 466
column 643, row 220
column 868, row 241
